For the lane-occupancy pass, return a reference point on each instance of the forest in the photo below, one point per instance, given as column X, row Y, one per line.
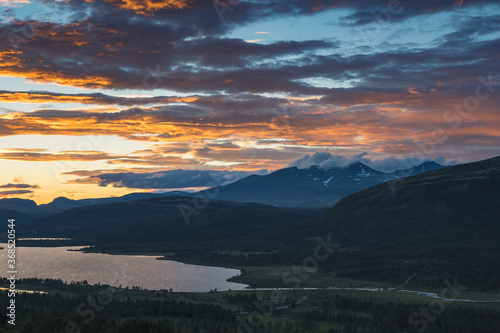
column 80, row 307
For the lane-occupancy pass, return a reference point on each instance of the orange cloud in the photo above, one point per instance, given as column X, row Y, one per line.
column 210, row 131
column 96, row 99
column 62, row 156
column 18, row 180
column 91, row 173
column 13, row 3
column 149, row 6
column 413, row 91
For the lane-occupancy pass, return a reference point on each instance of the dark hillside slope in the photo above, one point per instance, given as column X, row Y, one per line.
column 444, row 222
column 459, row 204
column 159, row 220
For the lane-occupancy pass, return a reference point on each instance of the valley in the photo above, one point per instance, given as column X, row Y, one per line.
column 404, row 241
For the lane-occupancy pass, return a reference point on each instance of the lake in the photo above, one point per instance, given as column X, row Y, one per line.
column 116, row 270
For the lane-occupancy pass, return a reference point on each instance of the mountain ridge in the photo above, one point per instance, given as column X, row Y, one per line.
column 275, row 185
column 310, row 187
column 162, row 219
column 445, row 222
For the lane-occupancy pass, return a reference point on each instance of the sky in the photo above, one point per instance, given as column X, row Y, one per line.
column 102, row 98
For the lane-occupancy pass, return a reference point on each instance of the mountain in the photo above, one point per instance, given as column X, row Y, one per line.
column 424, row 167
column 163, row 220
column 29, row 209
column 16, row 203
column 19, row 216
column 438, row 224
column 26, row 206
column 468, row 192
column 61, row 204
column 312, row 187
column 289, row 187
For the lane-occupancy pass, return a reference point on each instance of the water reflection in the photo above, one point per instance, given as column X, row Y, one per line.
column 117, row 270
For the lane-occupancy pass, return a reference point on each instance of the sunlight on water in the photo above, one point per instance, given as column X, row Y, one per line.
column 116, row 270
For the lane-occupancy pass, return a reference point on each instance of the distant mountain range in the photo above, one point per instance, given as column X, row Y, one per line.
column 462, row 201
column 26, row 210
column 437, row 224
column 289, row 187
column 434, row 225
column 311, row 187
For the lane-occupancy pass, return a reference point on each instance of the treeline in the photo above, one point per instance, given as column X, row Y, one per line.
column 354, row 315
column 89, row 309
column 101, row 309
column 473, row 268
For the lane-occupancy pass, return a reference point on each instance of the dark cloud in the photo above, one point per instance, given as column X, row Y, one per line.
column 326, row 161
column 107, row 50
column 168, row 179
column 124, row 50
column 383, row 11
column 18, row 185
column 114, row 54
column 203, row 15
column 235, row 53
column 15, row 192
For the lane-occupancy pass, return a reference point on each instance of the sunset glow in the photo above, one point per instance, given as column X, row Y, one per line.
column 130, row 86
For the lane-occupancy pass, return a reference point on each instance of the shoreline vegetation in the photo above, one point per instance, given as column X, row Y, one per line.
column 258, row 274
column 271, row 277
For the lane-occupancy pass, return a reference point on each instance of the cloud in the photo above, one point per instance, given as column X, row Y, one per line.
column 254, row 130
column 61, row 156
column 17, row 185
column 392, row 98
column 96, row 98
column 326, row 161
column 171, row 179
column 150, row 6
column 186, row 60
column 102, row 55
column 242, row 12
column 18, row 179
column 380, row 11
column 91, row 173
column 15, row 192
column 13, row 3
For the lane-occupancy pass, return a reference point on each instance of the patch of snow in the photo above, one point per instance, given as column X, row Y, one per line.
column 364, row 173
column 327, row 181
